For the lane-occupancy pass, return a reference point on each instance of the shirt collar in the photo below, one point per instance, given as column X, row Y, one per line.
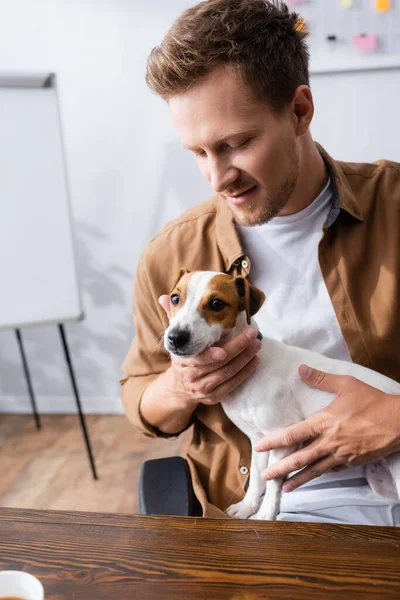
column 342, row 199
column 227, row 236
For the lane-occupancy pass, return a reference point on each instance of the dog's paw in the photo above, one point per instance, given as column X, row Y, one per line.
column 264, row 514
column 241, row 510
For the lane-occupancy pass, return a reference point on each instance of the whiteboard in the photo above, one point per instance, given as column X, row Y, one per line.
column 38, row 276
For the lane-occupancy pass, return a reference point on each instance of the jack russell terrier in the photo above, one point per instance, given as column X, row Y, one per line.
column 209, row 308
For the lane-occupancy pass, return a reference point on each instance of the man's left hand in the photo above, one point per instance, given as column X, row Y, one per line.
column 361, row 425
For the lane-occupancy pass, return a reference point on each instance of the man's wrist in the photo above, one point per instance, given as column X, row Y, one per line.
column 164, row 411
column 175, row 399
column 160, row 432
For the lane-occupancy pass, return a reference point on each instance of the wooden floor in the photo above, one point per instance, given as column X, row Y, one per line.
column 49, row 468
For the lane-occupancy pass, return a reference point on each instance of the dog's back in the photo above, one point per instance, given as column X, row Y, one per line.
column 275, row 396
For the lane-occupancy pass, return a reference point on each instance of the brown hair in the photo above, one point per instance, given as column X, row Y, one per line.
column 262, row 40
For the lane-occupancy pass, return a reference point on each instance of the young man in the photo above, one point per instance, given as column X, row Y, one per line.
column 319, row 237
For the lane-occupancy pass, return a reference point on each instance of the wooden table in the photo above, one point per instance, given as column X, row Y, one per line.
column 91, row 556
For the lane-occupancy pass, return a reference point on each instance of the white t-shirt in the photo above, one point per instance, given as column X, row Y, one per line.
column 299, row 311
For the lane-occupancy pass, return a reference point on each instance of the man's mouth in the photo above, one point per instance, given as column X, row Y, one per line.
column 240, row 198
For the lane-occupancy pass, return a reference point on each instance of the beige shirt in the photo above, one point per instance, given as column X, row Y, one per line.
column 359, row 256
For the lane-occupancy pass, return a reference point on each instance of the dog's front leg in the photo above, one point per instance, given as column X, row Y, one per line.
column 270, row 505
column 250, row 503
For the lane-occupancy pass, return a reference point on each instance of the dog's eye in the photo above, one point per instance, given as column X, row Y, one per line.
column 175, row 299
column 217, row 304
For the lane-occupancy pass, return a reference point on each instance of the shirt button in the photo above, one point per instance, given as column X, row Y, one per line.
column 244, row 470
column 245, row 264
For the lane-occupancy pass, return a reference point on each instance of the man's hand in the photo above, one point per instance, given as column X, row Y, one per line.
column 214, row 373
column 361, row 425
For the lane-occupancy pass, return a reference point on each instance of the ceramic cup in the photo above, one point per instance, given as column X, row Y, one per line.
column 22, row 585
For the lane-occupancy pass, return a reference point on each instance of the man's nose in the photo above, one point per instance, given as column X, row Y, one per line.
column 221, row 175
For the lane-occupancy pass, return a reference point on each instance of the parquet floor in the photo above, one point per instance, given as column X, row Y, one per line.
column 49, row 468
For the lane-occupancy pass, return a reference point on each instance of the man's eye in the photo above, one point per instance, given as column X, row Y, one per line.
column 243, row 144
column 175, row 299
column 217, row 304
column 227, row 148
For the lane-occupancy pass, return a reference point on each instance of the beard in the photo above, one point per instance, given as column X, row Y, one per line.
column 254, row 213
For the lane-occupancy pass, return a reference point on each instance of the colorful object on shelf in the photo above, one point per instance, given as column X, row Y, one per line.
column 347, row 3
column 300, row 25
column 365, row 43
column 382, row 5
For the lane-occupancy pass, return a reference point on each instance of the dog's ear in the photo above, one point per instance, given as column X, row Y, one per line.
column 251, row 298
column 257, row 299
column 179, row 275
column 241, row 290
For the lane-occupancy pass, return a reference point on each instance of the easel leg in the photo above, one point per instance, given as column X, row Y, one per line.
column 28, row 378
column 78, row 402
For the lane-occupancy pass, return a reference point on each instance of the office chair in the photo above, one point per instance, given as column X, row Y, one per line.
column 165, row 488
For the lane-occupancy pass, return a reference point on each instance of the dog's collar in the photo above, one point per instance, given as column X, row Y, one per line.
column 259, row 336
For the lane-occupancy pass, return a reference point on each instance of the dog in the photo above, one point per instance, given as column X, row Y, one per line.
column 210, row 308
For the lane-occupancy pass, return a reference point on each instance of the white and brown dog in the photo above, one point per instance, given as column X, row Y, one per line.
column 209, row 308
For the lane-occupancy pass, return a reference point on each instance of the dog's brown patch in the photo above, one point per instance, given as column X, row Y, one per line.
column 180, row 287
column 222, row 287
column 251, row 298
column 237, row 293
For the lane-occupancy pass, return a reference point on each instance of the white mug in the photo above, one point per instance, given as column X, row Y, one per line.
column 20, row 585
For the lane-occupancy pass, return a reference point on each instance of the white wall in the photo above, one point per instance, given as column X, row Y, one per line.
column 128, row 174
column 357, row 114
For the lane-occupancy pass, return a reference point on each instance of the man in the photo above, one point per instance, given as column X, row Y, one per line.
column 319, row 237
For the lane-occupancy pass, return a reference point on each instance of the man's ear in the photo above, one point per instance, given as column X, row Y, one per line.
column 179, row 275
column 251, row 298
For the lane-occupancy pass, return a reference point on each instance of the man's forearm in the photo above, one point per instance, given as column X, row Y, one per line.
column 161, row 409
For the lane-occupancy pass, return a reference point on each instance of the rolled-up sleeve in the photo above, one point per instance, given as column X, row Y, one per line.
column 146, row 358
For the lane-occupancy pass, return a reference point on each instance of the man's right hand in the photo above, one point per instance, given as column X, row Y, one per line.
column 214, row 373
column 169, row 401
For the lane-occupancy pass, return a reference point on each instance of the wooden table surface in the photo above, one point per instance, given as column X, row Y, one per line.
column 92, row 556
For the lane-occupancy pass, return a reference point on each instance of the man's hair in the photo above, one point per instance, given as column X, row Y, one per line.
column 261, row 40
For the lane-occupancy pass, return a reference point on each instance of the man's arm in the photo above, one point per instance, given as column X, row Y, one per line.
column 161, row 409
column 361, row 425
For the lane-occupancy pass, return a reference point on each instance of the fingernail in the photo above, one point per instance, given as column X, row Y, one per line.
column 265, row 476
column 305, row 371
column 251, row 334
column 258, row 447
column 256, row 345
column 217, row 354
column 287, row 487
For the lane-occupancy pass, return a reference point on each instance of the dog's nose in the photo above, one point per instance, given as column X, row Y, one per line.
column 178, row 337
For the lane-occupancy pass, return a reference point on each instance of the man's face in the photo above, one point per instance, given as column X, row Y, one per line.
column 247, row 152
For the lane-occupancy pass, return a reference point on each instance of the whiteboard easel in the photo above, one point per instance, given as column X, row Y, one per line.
column 38, row 274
